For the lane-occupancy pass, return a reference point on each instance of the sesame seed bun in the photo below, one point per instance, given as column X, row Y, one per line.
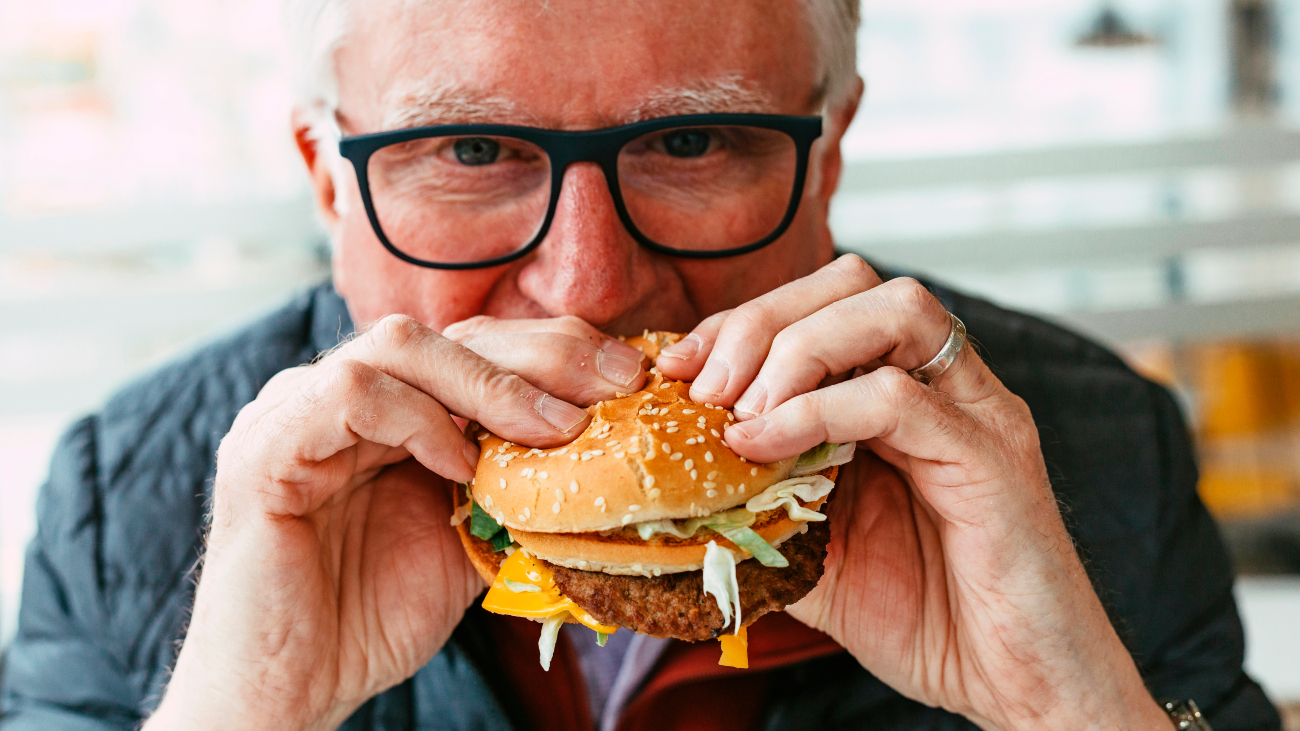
column 653, row 455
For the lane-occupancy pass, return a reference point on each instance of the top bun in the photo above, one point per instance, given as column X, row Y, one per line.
column 653, row 455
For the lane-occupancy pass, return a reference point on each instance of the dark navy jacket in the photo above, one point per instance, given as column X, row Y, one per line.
column 107, row 581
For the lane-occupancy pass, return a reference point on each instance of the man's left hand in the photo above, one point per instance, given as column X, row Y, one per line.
column 950, row 575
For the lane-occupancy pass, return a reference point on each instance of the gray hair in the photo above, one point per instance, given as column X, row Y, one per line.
column 317, row 28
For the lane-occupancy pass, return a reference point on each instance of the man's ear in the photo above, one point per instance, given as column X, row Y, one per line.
column 833, row 156
column 322, row 180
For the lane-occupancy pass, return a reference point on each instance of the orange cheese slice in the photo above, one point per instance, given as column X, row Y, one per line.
column 522, row 570
column 735, row 649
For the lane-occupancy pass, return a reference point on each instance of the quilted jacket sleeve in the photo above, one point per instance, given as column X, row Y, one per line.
column 80, row 658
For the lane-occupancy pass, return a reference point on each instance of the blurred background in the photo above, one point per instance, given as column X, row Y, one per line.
column 1130, row 168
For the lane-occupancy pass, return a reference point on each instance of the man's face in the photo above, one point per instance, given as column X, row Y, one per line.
column 575, row 65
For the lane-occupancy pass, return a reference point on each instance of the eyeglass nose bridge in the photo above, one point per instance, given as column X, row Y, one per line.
column 601, row 147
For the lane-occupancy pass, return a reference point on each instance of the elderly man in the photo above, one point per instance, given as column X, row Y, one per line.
column 507, row 185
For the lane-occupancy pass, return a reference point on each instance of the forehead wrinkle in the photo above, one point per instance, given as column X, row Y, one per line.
column 444, row 102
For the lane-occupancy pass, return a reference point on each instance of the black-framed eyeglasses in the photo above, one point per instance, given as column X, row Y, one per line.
column 467, row 196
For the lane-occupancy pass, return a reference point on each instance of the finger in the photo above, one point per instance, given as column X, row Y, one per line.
column 683, row 360
column 743, row 342
column 350, row 419
column 465, row 382
column 568, row 325
column 886, row 404
column 567, row 367
column 900, row 323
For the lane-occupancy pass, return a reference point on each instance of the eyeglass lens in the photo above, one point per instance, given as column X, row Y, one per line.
column 468, row 199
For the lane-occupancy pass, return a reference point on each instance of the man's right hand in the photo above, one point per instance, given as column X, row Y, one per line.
column 331, row 571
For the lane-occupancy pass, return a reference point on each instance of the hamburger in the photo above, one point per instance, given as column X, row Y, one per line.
column 647, row 522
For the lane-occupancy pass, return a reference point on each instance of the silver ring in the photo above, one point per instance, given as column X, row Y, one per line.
column 946, row 357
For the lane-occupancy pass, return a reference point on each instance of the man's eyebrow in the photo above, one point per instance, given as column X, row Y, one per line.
column 427, row 104
column 728, row 95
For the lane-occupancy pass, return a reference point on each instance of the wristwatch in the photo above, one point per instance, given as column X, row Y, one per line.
column 1185, row 715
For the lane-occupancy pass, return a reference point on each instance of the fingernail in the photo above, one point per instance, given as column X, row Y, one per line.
column 559, row 414
column 621, row 349
column 713, row 381
column 616, row 369
column 471, row 455
column 751, row 428
column 683, row 349
column 752, row 403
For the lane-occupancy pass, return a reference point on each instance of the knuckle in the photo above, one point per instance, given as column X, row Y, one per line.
column 917, row 301
column 899, row 387
column 395, row 331
column 576, row 327
column 459, row 331
column 353, row 376
column 856, row 269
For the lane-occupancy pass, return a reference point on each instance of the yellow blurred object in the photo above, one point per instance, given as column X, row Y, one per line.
column 735, row 649
column 1248, row 388
column 1228, row 493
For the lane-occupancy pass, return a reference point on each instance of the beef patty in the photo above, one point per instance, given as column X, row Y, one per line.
column 675, row 605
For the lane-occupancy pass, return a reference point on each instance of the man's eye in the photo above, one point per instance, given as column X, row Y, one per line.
column 686, row 142
column 477, row 150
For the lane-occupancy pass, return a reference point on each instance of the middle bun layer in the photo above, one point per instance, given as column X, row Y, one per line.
column 654, row 455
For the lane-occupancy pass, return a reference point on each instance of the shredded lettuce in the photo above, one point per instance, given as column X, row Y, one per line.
column 760, row 549
column 550, row 633
column 807, row 489
column 502, row 540
column 687, row 528
column 601, row 638
column 461, row 514
column 720, row 581
column 519, row 586
column 822, row 456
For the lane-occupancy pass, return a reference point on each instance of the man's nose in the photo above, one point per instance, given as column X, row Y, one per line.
column 587, row 265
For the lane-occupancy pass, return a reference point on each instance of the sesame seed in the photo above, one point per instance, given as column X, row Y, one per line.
column 528, row 472
column 667, row 449
column 560, row 453
column 528, row 513
column 555, row 508
column 691, row 440
column 665, row 384
column 503, row 483
column 712, row 474
column 695, row 474
column 714, row 432
column 649, row 481
column 670, row 430
column 633, row 508
column 482, row 436
column 689, row 464
column 654, row 493
column 708, row 456
column 586, row 456
column 487, row 501
column 600, row 500
column 559, row 494
column 741, row 489
column 753, row 472
column 597, row 452
column 634, row 449
column 509, row 444
column 522, row 518
column 731, row 416
column 742, row 459
column 619, row 455
column 534, row 576
column 573, row 488
column 627, row 519
column 574, row 456
column 731, row 490
column 542, row 475
column 712, row 493
column 672, row 423
column 647, row 396
column 689, row 411
column 710, row 485
column 501, row 448
column 656, row 426
column 675, row 456
column 612, row 443
column 502, row 463
column 657, row 571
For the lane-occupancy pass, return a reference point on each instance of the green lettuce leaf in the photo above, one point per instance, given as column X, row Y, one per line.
column 502, row 540
column 819, row 453
column 520, row 587
column 760, row 549
column 601, row 638
column 481, row 525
